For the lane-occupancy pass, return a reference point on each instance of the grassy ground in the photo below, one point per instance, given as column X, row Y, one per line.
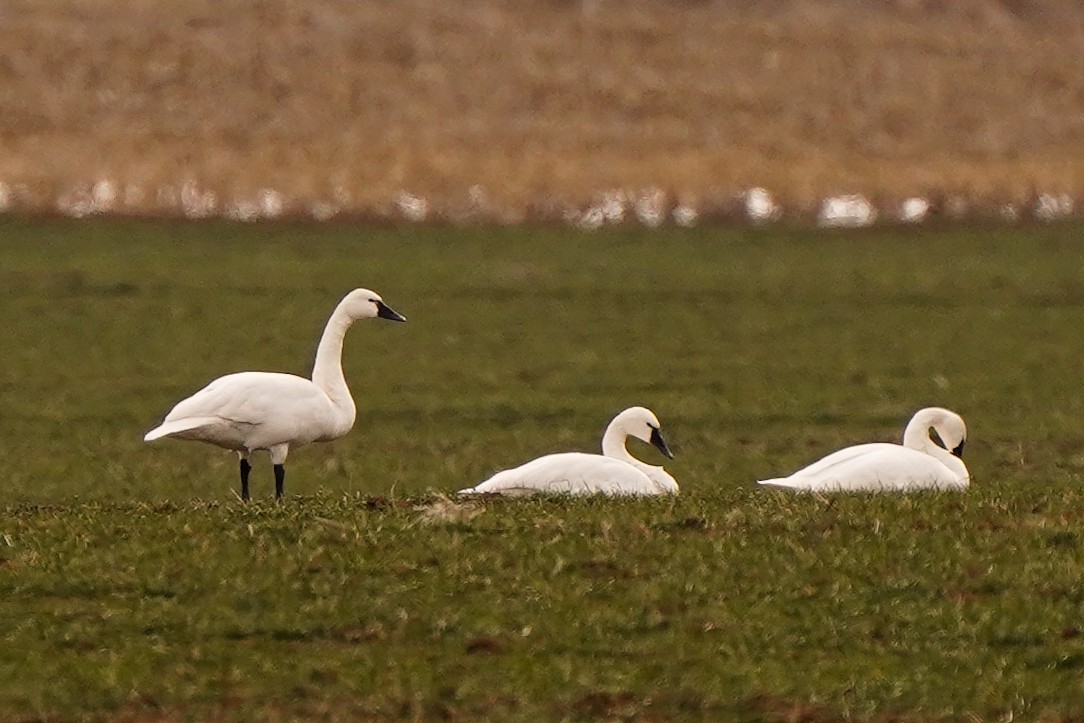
column 539, row 102
column 134, row 585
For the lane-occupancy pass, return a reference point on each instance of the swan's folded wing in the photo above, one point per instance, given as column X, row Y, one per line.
column 844, row 457
column 249, row 398
column 824, row 468
column 870, row 467
column 249, row 410
column 571, row 473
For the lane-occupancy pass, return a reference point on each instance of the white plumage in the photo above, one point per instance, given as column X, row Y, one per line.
column 251, row 411
column 919, row 463
column 614, row 472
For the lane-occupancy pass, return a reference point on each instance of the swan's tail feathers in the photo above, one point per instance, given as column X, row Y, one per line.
column 165, row 429
column 469, row 491
column 778, row 482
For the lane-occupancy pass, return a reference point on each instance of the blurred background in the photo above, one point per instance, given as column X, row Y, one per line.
column 523, row 109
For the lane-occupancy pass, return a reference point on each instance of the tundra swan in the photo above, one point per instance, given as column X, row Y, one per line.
column 919, row 463
column 614, row 472
column 251, row 411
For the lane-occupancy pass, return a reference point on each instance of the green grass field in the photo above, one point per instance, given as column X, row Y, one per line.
column 135, row 585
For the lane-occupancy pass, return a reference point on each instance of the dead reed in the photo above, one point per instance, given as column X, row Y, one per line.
column 530, row 104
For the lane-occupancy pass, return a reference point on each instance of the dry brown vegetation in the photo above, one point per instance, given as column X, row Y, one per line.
column 543, row 101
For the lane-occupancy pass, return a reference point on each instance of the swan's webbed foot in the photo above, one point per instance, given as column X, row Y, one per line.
column 245, row 469
column 280, row 480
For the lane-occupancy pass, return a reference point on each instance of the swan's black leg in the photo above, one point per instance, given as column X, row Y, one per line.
column 280, row 480
column 245, row 469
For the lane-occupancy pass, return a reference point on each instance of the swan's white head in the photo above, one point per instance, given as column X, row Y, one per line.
column 641, row 423
column 949, row 426
column 365, row 304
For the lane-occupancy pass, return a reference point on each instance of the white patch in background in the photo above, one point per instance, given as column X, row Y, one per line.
column 5, row 196
column 685, row 215
column 848, row 211
column 914, row 209
column 197, row 202
column 271, row 203
column 614, row 205
column 104, row 195
column 477, row 198
column 1049, row 207
column 1008, row 212
column 412, row 208
column 591, row 219
column 650, row 207
column 759, row 205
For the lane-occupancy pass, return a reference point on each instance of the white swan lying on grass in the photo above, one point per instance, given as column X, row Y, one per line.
column 251, row 411
column 919, row 463
column 614, row 472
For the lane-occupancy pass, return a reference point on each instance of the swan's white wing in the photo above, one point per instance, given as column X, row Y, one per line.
column 249, row 397
column 842, row 457
column 571, row 473
column 250, row 410
column 872, row 467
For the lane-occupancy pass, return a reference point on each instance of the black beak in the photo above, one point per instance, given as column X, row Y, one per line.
column 659, row 443
column 959, row 451
column 386, row 312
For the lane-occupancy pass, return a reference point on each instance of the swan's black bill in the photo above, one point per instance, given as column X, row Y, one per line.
column 657, row 441
column 386, row 312
column 959, row 451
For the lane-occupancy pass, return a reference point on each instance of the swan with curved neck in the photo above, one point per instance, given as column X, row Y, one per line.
column 250, row 411
column 614, row 472
column 919, row 463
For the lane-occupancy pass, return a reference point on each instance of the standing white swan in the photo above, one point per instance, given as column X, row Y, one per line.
column 919, row 463
column 251, row 411
column 614, row 472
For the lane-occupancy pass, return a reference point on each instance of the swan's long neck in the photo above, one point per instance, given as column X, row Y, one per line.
column 613, row 444
column 917, row 436
column 327, row 371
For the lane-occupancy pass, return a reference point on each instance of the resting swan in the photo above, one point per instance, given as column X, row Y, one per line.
column 251, row 411
column 614, row 472
column 919, row 463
